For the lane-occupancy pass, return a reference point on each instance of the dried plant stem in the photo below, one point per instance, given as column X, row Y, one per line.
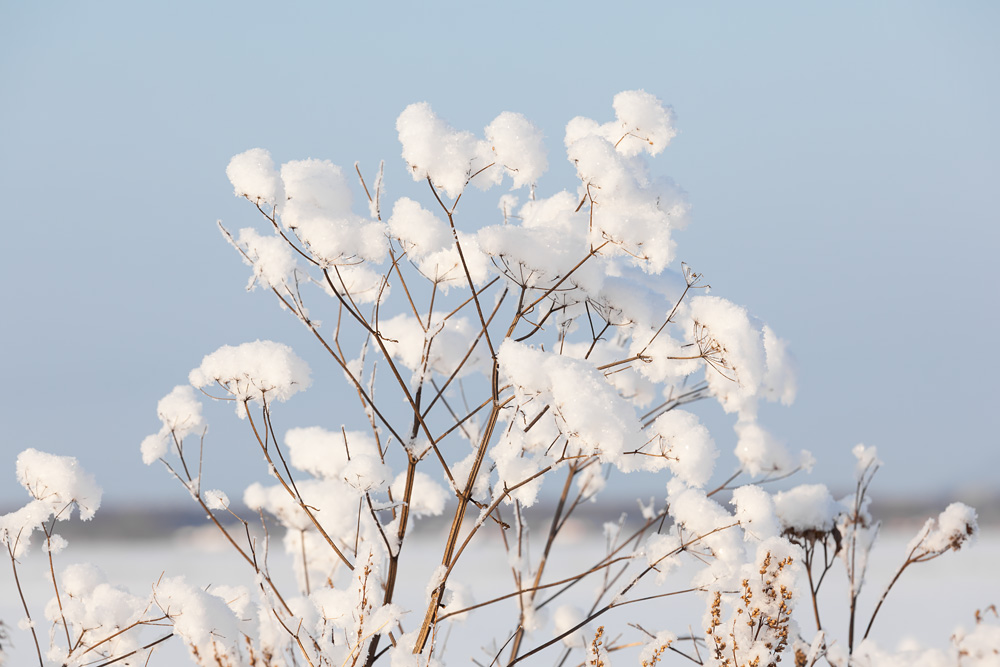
column 24, row 603
column 294, row 494
column 390, row 581
column 541, row 587
column 527, row 309
column 378, row 338
column 553, row 531
column 465, row 267
column 466, row 494
column 456, row 526
column 619, row 602
column 55, row 586
column 123, row 631
column 856, row 580
column 131, row 653
column 912, row 558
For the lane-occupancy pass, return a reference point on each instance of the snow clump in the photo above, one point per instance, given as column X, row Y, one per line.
column 180, row 416
column 319, row 211
column 262, row 371
column 253, row 176
column 56, row 484
column 806, row 508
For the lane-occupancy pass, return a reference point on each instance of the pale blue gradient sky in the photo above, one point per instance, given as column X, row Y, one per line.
column 841, row 159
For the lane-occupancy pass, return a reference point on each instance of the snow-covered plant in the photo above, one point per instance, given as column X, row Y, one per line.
column 553, row 341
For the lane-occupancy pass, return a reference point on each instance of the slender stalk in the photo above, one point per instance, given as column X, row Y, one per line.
column 24, row 604
column 131, row 653
column 553, row 531
column 295, row 495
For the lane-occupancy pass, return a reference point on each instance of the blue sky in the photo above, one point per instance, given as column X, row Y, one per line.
column 841, row 160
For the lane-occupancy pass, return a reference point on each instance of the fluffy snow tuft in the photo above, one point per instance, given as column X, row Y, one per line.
column 436, row 151
column 807, row 507
column 253, row 176
column 259, row 371
column 955, row 527
column 270, row 257
column 59, row 482
column 687, row 446
column 518, row 147
column 319, row 211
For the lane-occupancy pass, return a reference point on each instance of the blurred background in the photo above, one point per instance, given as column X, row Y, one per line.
column 841, row 160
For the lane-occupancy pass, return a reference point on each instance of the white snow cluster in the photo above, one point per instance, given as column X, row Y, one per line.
column 57, row 485
column 90, row 602
column 955, row 527
column 584, row 408
column 756, row 512
column 270, row 257
column 253, row 176
column 807, row 507
column 642, row 125
column 430, row 245
column 450, row 158
column 519, row 149
column 262, row 371
column 686, row 446
column 180, row 416
column 206, row 621
column 313, row 200
column 318, row 210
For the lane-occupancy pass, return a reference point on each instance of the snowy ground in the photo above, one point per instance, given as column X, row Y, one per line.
column 928, row 603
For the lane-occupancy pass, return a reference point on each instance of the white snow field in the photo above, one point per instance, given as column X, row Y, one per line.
column 930, row 601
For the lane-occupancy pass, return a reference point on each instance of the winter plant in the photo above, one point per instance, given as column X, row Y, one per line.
column 553, row 341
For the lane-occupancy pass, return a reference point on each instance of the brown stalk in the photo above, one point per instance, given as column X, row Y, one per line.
column 127, row 655
column 297, row 497
column 554, row 527
column 466, row 495
column 465, row 267
column 24, row 603
column 615, row 603
column 411, row 471
column 123, row 631
column 456, row 525
column 922, row 557
column 399, row 380
column 533, row 589
column 559, row 282
column 250, row 559
column 466, row 357
column 402, row 281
